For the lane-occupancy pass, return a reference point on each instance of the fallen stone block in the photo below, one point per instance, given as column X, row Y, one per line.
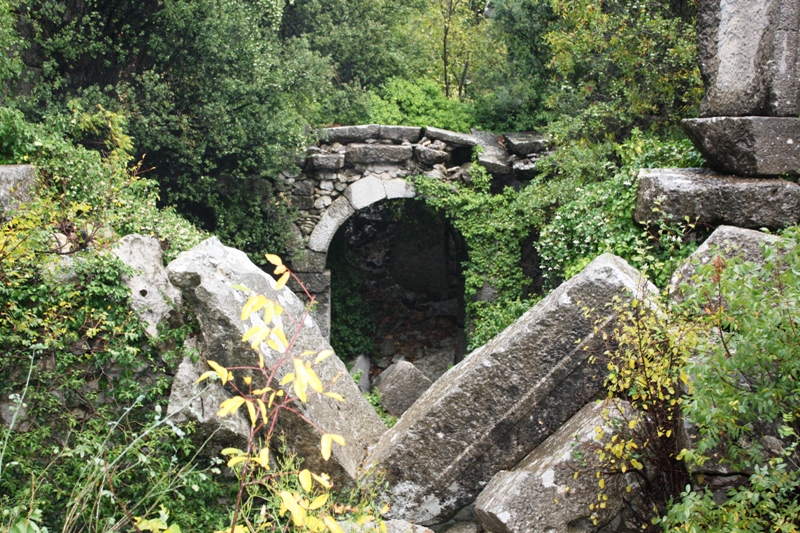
column 524, row 144
column 494, row 157
column 492, row 409
column 16, row 183
column 452, row 137
column 348, row 134
column 369, row 154
column 747, row 146
column 429, row 156
column 715, row 199
column 206, row 275
column 542, row 494
column 399, row 386
column 153, row 297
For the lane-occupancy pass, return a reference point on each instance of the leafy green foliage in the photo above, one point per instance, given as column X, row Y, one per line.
column 418, row 103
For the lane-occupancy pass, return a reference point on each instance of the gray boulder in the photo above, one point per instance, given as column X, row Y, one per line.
column 429, row 156
column 368, row 154
column 153, row 297
column 747, row 51
column 542, row 494
column 399, row 386
column 206, row 275
column 715, row 199
column 494, row 157
column 401, row 133
column 16, row 184
column 362, row 366
column 748, row 146
column 348, row 134
column 326, row 161
column 492, row 409
column 451, row 137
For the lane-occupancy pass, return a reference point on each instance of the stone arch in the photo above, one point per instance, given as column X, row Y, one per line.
column 354, row 167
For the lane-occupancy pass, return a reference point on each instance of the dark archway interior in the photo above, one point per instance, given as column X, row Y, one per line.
column 396, row 287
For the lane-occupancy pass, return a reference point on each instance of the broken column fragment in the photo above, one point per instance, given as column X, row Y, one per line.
column 492, row 409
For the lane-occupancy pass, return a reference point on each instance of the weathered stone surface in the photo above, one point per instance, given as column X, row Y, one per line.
column 401, row 133
column 399, row 188
column 494, row 157
column 400, row 385
column 302, row 203
column 310, row 261
column 462, row 430
column 326, row 161
column 746, row 57
column 153, row 297
column 392, row 526
column 429, row 156
column 314, row 282
column 334, row 216
column 524, row 169
column 526, row 143
column 542, row 493
column 715, row 199
column 748, row 146
column 452, row 137
column 16, row 182
column 347, row 134
column 365, row 191
column 729, row 242
column 367, row 154
column 461, row 527
column 362, row 365
column 205, row 274
column 190, row 401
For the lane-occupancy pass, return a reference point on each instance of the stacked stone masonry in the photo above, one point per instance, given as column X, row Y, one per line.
column 353, row 167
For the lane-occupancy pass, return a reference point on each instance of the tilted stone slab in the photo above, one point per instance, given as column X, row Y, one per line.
column 400, row 133
column 742, row 58
column 542, row 494
column 365, row 192
column 333, row 217
column 326, row 161
column 526, row 143
column 452, row 137
column 16, row 183
column 370, row 154
column 399, row 188
column 348, row 134
column 747, row 146
column 492, row 409
column 715, row 199
column 494, row 157
column 205, row 274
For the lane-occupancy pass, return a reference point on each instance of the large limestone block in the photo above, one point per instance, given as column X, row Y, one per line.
column 715, row 199
column 16, row 182
column 348, row 134
column 493, row 157
column 333, row 217
column 542, row 494
column 365, row 192
column 429, row 156
column 401, row 133
column 729, row 242
column 153, row 297
column 370, row 154
column 399, row 386
column 747, row 146
column 326, row 161
column 747, row 51
column 451, row 137
column 524, row 144
column 399, row 188
column 206, row 275
column 492, row 409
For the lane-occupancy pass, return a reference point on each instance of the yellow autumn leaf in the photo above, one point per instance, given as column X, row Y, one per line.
column 383, row 527
column 282, row 281
column 237, row 529
column 271, row 399
column 298, row 513
column 335, row 396
column 231, row 405
column 251, row 409
column 305, row 479
column 363, row 520
column 278, row 309
column 300, row 370
column 288, row 378
column 253, row 304
column 231, row 451
column 263, row 408
column 274, row 345
column 250, row 332
column 236, row 460
column 274, row 259
column 313, row 380
column 602, row 483
column 260, row 360
column 325, row 446
column 259, row 338
column 384, row 509
column 333, row 527
column 307, row 353
column 263, row 458
column 280, row 270
column 281, row 337
column 205, row 376
column 322, row 480
column 314, row 524
column 221, row 371
column 318, row 502
column 338, row 439
column 324, row 354
column 259, row 392
column 269, row 311
column 300, row 390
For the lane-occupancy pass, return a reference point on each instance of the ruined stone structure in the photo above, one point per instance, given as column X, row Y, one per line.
column 354, row 167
